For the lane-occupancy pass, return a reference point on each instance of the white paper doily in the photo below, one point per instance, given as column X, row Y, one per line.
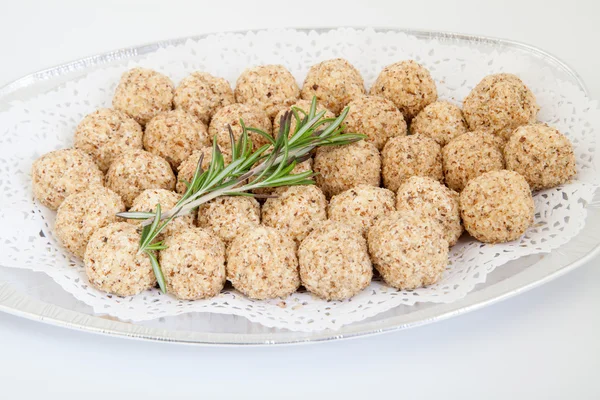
column 47, row 122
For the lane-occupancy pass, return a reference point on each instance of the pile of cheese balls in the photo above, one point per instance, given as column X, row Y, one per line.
column 396, row 200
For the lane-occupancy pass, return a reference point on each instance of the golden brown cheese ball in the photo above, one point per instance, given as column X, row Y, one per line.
column 143, row 93
column 420, row 194
column 262, row 263
column 200, row 94
column 186, row 170
column 228, row 216
column 500, row 103
column 441, row 121
column 230, row 116
column 497, row 206
column 60, row 173
column 340, row 168
column 147, row 201
column 408, row 85
column 137, row 170
column 376, row 117
column 114, row 264
column 335, row 83
column 106, row 133
column 406, row 156
column 303, row 105
column 268, row 87
column 542, row 154
column 334, row 261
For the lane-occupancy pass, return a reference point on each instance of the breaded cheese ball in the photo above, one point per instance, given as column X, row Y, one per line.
column 542, row 154
column 60, row 173
column 334, row 261
column 137, row 170
column 467, row 157
column 105, row 134
column 193, row 264
column 200, row 94
column 406, row 156
column 335, row 83
column 114, row 264
column 420, row 194
column 408, row 85
column 147, row 201
column 296, row 210
column 227, row 216
column 303, row 105
column 500, row 103
column 340, row 168
column 83, row 213
column 376, row 117
column 187, row 168
column 143, row 93
column 230, row 115
column 268, row 87
column 358, row 207
column 497, row 206
column 441, row 121
column 262, row 263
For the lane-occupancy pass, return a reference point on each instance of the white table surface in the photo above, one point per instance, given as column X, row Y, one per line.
column 543, row 344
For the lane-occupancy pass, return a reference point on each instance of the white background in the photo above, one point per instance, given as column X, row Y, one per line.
column 544, row 344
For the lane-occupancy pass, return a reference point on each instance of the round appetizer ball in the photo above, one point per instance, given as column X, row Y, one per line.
column 230, row 116
column 542, row 154
column 406, row 156
column 60, row 173
column 340, row 168
column 114, row 264
column 376, row 117
column 262, row 263
column 83, row 213
column 106, row 133
column 420, row 194
column 268, row 87
column 334, row 82
column 201, row 95
column 228, row 216
column 334, row 261
column 303, row 105
column 441, row 121
column 193, row 264
column 500, row 103
column 497, row 206
column 143, row 93
column 174, row 135
column 186, row 170
column 358, row 207
column 408, row 85
column 147, row 201
column 137, row 170
column 467, row 157
column 296, row 210
column 415, row 258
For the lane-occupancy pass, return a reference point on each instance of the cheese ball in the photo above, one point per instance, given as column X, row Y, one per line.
column 420, row 194
column 82, row 214
column 408, row 85
column 187, row 168
column 200, row 94
column 143, row 94
column 227, row 216
column 334, row 261
column 441, row 121
column 230, row 116
column 60, row 173
column 500, row 103
column 497, row 206
column 147, row 201
column 469, row 156
column 406, row 156
column 341, row 168
column 193, row 264
column 268, row 87
column 105, row 134
column 542, row 155
column 114, row 264
column 358, row 207
column 296, row 210
column 137, row 170
column 303, row 105
column 262, row 263
column 415, row 258
column 334, row 82
column 376, row 117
